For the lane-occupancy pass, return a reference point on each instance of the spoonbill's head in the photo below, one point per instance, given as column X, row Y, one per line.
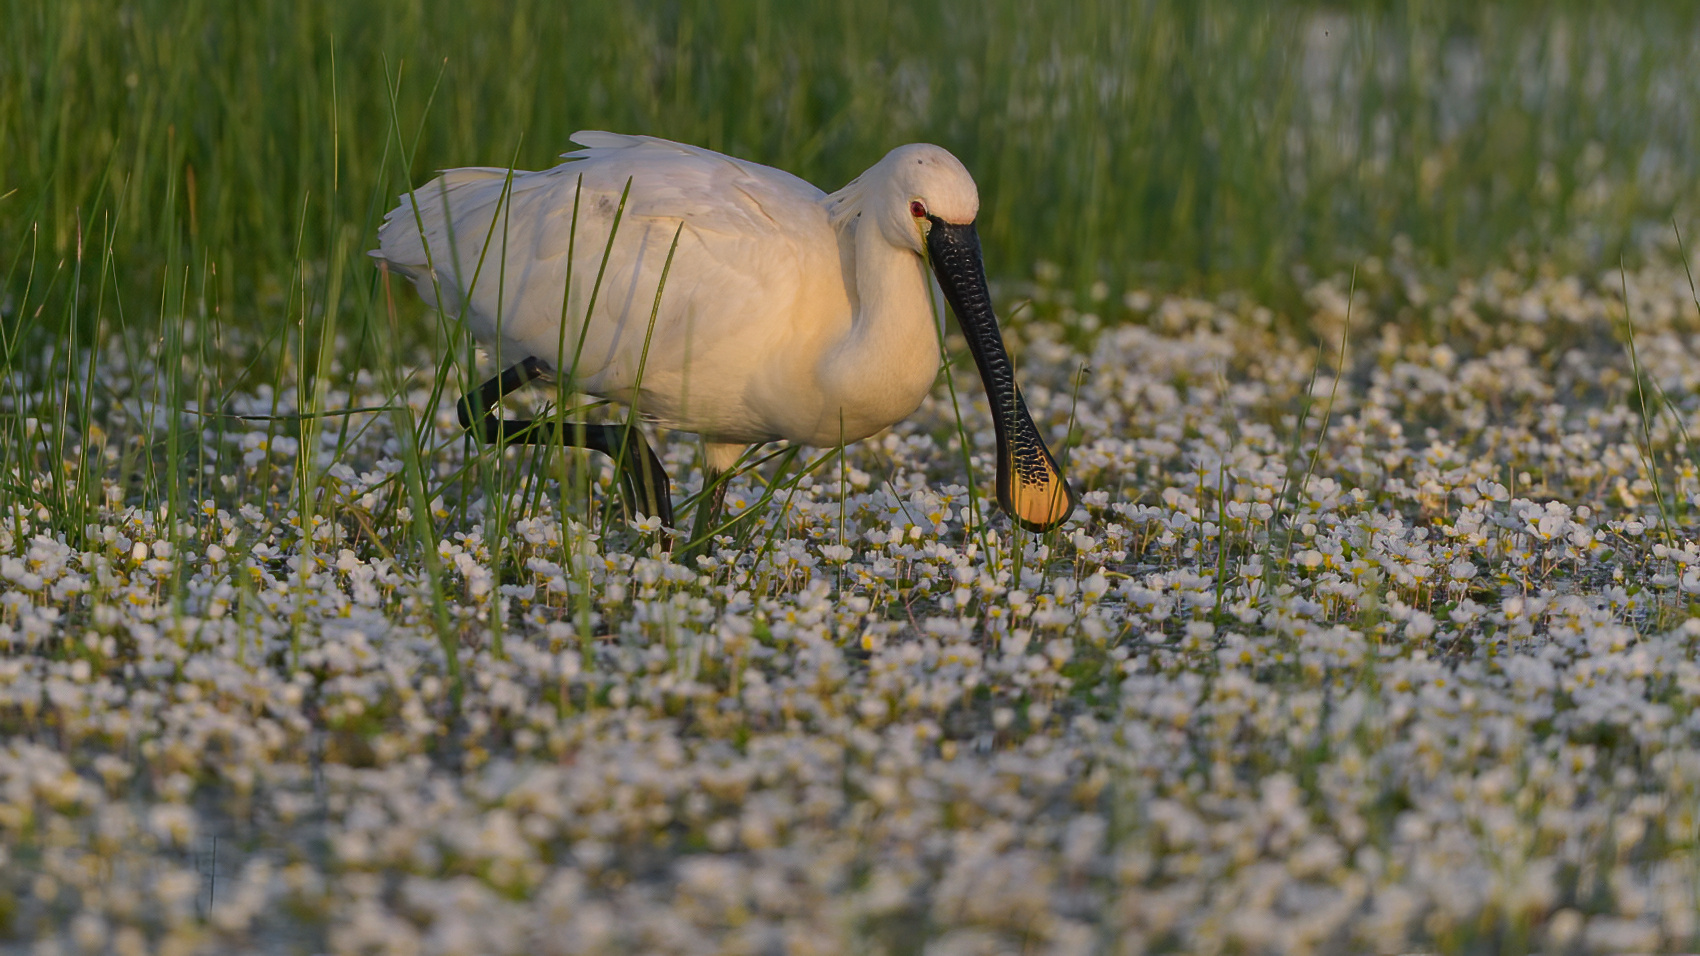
column 928, row 204
column 920, row 182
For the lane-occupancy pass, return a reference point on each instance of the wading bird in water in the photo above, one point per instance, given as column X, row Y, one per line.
column 786, row 312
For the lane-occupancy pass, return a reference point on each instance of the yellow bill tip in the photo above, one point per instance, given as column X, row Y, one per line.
column 1039, row 498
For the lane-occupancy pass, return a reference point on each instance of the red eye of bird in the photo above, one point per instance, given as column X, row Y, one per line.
column 918, row 209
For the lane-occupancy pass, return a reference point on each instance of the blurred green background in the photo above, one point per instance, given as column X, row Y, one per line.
column 230, row 149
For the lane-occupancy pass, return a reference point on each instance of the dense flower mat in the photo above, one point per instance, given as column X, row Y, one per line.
column 1399, row 657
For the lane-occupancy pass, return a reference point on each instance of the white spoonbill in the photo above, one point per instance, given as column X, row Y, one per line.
column 787, row 312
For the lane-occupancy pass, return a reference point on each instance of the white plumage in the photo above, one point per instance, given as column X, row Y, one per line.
column 787, row 313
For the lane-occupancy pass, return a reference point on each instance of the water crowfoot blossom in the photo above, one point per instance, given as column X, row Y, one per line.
column 1421, row 679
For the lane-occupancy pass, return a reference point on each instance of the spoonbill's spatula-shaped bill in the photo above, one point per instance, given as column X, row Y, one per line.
column 1031, row 488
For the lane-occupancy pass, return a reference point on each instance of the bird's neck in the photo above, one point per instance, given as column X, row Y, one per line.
column 887, row 362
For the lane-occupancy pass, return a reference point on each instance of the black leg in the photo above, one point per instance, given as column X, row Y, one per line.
column 643, row 482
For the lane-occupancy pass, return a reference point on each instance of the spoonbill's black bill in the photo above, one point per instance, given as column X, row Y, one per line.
column 787, row 313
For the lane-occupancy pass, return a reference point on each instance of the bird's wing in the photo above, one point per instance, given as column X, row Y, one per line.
column 757, row 263
column 754, row 243
column 730, row 203
column 710, row 191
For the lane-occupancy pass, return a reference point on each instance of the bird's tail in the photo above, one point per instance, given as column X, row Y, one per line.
column 417, row 235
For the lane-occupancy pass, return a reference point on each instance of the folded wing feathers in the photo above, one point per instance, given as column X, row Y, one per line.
column 707, row 191
column 694, row 184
